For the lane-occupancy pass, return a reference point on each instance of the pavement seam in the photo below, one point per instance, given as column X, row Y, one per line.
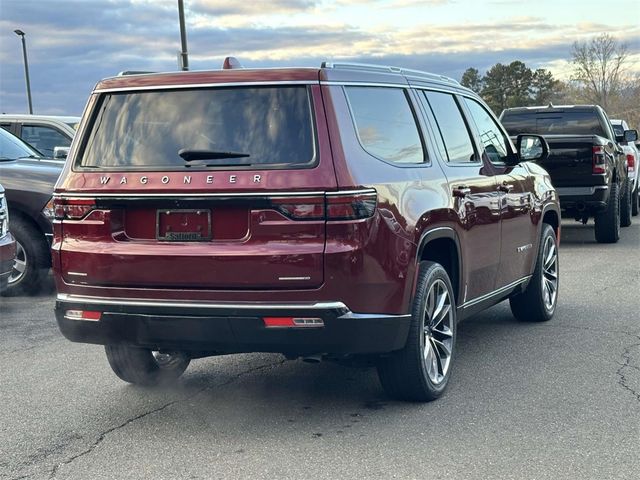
column 626, row 355
column 103, row 435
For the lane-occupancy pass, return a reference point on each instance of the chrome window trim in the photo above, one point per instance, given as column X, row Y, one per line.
column 204, row 85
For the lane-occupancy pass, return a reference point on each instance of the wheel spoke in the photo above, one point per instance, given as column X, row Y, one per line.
column 441, row 347
column 438, row 366
column 445, row 332
column 550, row 255
column 20, row 266
column 442, row 314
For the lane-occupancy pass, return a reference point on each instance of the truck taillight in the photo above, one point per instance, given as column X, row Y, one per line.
column 599, row 160
column 631, row 162
column 72, row 208
column 351, row 206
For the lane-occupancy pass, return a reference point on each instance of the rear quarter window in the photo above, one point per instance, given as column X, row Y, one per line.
column 386, row 124
column 272, row 127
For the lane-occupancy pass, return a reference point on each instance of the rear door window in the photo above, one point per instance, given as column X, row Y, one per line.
column 44, row 138
column 386, row 124
column 452, row 127
column 241, row 127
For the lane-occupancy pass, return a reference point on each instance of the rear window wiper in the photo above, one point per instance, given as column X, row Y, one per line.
column 189, row 155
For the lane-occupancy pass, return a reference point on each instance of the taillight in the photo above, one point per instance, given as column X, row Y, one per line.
column 599, row 160
column 631, row 162
column 300, row 208
column 72, row 208
column 86, row 315
column 335, row 206
column 351, row 206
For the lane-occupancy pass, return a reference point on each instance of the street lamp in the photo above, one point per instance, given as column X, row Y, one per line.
column 183, row 57
column 21, row 34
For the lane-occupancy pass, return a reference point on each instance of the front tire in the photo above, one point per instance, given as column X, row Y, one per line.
column 635, row 200
column 607, row 222
column 421, row 371
column 142, row 366
column 537, row 303
column 626, row 206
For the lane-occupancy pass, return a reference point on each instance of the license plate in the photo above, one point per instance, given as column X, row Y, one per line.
column 183, row 225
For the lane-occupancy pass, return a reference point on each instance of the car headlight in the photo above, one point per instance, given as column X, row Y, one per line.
column 48, row 211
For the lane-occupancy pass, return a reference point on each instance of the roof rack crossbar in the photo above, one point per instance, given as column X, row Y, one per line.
column 388, row 69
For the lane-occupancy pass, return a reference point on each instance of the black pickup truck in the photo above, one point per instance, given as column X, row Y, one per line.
column 28, row 179
column 586, row 163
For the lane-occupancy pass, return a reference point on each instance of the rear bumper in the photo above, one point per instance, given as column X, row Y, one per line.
column 230, row 328
column 580, row 198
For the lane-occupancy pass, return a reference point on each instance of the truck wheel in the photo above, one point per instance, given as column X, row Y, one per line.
column 142, row 366
column 32, row 258
column 607, row 222
column 626, row 205
column 421, row 370
column 635, row 200
column 537, row 303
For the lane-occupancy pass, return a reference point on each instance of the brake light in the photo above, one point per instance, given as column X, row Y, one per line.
column 631, row 162
column 336, row 206
column 302, row 208
column 599, row 160
column 73, row 208
column 351, row 206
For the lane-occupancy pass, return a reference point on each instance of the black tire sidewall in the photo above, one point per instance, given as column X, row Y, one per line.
column 429, row 273
column 36, row 255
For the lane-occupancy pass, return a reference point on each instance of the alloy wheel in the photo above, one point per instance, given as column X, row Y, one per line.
column 438, row 332
column 19, row 265
column 550, row 273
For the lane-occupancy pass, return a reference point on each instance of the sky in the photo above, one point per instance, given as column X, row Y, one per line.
column 71, row 44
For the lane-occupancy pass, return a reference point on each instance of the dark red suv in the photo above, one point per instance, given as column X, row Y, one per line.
column 343, row 212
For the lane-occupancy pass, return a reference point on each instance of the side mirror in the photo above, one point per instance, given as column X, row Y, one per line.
column 630, row 135
column 531, row 147
column 60, row 153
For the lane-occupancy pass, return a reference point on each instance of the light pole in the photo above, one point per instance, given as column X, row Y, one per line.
column 21, row 34
column 184, row 59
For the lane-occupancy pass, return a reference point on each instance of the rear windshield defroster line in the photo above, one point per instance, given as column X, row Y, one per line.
column 146, row 130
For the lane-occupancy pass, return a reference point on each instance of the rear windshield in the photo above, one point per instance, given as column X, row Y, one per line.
column 264, row 127
column 618, row 129
column 553, row 123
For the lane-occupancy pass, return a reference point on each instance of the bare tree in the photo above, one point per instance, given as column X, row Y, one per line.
column 599, row 65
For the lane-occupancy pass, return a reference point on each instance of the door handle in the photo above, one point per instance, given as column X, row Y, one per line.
column 461, row 191
column 505, row 187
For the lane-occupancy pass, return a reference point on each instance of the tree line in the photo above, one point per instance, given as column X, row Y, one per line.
column 601, row 75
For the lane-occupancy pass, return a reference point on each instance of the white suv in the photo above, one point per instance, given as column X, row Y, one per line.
column 633, row 157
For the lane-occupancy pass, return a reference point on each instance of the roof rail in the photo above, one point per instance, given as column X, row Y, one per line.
column 133, row 72
column 388, row 69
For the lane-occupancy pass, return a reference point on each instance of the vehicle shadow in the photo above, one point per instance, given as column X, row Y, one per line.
column 575, row 233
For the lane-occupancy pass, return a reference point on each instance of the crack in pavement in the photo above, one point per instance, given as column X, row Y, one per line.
column 626, row 355
column 103, row 435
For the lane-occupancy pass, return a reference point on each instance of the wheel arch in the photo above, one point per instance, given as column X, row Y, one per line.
column 442, row 245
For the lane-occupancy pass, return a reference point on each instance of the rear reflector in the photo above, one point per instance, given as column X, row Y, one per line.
column 292, row 322
column 82, row 315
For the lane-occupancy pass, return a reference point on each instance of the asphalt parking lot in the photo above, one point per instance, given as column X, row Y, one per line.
column 542, row 401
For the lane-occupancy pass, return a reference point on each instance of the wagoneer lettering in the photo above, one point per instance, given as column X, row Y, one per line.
column 341, row 213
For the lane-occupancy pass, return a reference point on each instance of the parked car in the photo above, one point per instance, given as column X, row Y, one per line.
column 7, row 244
column 586, row 163
column 633, row 157
column 28, row 179
column 336, row 213
column 49, row 134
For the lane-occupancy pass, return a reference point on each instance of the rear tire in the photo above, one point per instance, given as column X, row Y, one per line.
column 537, row 303
column 607, row 222
column 32, row 263
column 626, row 204
column 142, row 366
column 420, row 371
column 634, row 201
